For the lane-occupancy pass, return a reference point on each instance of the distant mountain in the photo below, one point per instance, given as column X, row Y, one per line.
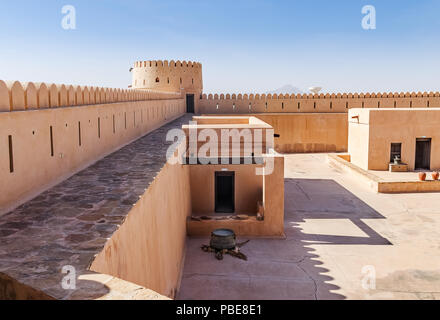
column 287, row 89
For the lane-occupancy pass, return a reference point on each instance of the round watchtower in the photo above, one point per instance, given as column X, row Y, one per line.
column 172, row 76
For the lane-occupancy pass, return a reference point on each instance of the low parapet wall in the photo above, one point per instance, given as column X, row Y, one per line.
column 17, row 96
column 43, row 147
column 311, row 103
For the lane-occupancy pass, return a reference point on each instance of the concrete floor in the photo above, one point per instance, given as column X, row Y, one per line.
column 339, row 232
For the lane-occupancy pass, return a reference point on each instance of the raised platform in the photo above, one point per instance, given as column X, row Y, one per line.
column 385, row 181
column 251, row 227
column 69, row 224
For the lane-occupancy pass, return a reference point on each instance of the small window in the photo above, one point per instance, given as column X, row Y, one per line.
column 157, row 80
column 168, row 80
column 396, row 151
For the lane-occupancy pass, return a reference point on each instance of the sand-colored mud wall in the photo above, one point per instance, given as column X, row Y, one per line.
column 41, row 146
column 248, row 188
column 383, row 127
column 311, row 122
column 149, row 247
column 308, row 132
column 168, row 76
column 309, row 103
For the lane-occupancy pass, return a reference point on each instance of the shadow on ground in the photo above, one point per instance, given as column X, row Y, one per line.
column 285, row 269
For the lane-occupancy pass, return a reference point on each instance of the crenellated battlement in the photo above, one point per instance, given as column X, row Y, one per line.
column 309, row 103
column 167, row 64
column 168, row 76
column 252, row 96
column 16, row 96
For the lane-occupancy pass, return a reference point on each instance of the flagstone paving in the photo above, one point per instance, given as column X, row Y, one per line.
column 70, row 223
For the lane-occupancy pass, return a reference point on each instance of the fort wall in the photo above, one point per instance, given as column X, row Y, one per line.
column 313, row 103
column 308, row 132
column 149, row 248
column 42, row 144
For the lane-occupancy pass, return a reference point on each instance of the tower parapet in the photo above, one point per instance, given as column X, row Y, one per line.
column 168, row 76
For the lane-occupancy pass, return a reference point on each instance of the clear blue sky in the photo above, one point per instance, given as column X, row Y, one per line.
column 244, row 45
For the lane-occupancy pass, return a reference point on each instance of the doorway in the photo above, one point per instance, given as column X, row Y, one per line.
column 225, row 192
column 189, row 103
column 423, row 154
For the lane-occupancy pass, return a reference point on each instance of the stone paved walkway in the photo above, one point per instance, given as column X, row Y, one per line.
column 70, row 223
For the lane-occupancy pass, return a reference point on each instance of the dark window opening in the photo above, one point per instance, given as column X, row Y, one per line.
column 99, row 128
column 282, row 105
column 363, row 104
column 331, row 105
column 346, row 105
column 79, row 134
column 114, row 124
column 396, row 151
column 427, row 104
column 11, row 155
column 125, row 120
column 378, row 104
column 157, row 80
column 225, row 192
column 314, row 105
column 52, row 153
column 299, row 105
column 410, row 104
column 395, row 104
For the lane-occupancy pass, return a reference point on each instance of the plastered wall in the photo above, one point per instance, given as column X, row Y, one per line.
column 313, row 103
column 42, row 147
column 383, row 127
column 308, row 132
column 168, row 76
column 248, row 188
column 149, row 247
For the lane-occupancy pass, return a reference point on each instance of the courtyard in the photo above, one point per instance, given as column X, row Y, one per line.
column 343, row 241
